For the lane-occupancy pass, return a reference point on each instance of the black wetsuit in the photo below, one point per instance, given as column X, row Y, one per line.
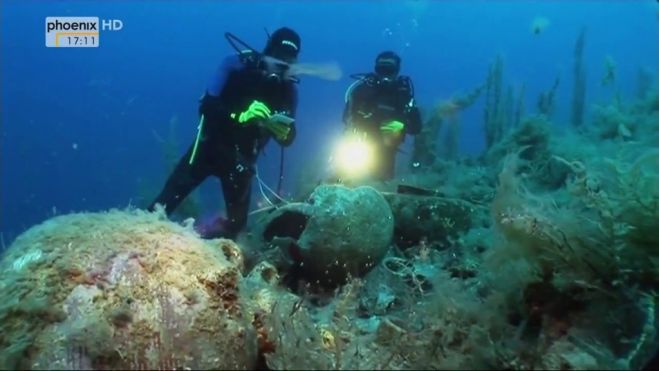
column 371, row 103
column 227, row 149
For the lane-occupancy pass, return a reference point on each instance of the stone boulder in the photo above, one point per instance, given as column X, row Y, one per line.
column 122, row 290
column 429, row 218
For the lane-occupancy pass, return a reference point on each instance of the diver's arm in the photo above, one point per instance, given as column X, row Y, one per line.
column 412, row 116
column 346, row 114
column 289, row 109
column 216, row 83
column 289, row 139
column 347, row 108
column 412, row 119
column 211, row 105
column 351, row 112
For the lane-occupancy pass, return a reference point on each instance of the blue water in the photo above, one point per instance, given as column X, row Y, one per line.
column 78, row 124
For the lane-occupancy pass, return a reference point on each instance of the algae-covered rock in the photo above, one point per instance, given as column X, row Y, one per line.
column 261, row 295
column 338, row 232
column 121, row 290
column 428, row 217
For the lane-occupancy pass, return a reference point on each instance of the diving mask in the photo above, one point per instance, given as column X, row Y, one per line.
column 276, row 69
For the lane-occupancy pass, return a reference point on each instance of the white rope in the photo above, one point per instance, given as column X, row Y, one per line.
column 263, row 184
column 262, row 210
column 262, row 192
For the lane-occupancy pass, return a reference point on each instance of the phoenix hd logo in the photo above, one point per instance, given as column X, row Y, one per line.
column 77, row 32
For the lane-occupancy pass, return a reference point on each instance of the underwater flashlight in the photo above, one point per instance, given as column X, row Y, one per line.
column 354, row 156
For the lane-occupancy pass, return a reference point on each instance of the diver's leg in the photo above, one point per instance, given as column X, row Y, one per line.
column 390, row 170
column 386, row 163
column 237, row 189
column 183, row 180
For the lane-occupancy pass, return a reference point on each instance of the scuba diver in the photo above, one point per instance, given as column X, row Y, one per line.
column 251, row 98
column 381, row 107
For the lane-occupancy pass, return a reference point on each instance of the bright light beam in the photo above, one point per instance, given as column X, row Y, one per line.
column 354, row 157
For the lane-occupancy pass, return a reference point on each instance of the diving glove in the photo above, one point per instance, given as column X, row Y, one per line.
column 256, row 110
column 279, row 125
column 393, row 127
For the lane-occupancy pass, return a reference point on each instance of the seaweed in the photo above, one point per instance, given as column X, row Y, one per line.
column 425, row 152
column 494, row 110
column 579, row 76
column 546, row 100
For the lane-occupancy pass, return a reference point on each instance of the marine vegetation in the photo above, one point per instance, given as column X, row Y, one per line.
column 541, row 253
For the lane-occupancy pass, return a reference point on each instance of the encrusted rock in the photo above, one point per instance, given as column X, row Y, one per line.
column 121, row 290
column 338, row 232
column 428, row 218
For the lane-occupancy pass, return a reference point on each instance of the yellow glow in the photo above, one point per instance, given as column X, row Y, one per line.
column 354, row 157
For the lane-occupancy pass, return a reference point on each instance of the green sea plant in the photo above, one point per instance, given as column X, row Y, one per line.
column 579, row 76
column 451, row 110
column 546, row 100
column 579, row 252
column 494, row 109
